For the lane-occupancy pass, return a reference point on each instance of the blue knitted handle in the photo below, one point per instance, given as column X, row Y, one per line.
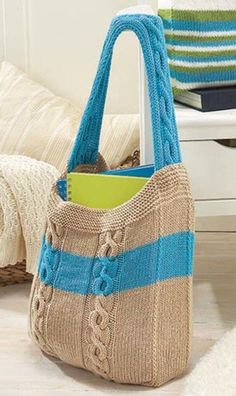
column 149, row 30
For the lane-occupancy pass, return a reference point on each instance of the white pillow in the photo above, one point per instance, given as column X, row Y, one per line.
column 36, row 123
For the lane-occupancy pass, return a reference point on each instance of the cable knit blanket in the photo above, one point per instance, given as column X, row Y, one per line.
column 25, row 185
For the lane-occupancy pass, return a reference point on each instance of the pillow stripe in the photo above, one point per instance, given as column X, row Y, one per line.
column 201, row 45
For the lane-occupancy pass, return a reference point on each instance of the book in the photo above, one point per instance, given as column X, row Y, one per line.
column 137, row 171
column 102, row 191
column 209, row 99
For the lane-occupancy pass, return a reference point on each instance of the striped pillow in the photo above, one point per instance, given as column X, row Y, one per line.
column 36, row 123
column 201, row 42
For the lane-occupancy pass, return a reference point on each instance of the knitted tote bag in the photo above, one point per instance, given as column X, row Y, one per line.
column 201, row 41
column 113, row 289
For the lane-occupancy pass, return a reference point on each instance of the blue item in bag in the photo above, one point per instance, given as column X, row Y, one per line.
column 137, row 171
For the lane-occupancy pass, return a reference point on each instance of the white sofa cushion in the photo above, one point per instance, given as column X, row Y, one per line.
column 36, row 123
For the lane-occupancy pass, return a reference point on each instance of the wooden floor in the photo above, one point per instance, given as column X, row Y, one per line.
column 24, row 371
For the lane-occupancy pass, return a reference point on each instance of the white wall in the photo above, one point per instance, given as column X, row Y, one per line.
column 59, row 41
column 1, row 36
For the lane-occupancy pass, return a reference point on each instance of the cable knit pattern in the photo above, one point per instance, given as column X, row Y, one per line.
column 99, row 318
column 42, row 297
column 121, row 277
column 43, row 292
column 25, row 185
column 149, row 31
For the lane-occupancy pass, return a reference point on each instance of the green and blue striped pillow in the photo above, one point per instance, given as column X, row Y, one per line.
column 201, row 45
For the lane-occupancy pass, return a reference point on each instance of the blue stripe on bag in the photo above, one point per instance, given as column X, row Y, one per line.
column 174, row 251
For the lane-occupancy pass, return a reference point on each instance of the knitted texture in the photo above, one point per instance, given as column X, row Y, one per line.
column 25, row 185
column 113, row 289
column 149, row 31
column 201, row 43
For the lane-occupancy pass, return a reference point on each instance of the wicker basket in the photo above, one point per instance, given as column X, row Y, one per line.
column 13, row 274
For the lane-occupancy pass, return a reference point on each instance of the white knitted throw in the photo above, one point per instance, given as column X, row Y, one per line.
column 25, row 185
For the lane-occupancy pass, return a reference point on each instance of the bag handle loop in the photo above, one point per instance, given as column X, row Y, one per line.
column 149, row 30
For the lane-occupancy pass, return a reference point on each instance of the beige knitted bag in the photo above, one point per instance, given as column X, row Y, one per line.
column 113, row 290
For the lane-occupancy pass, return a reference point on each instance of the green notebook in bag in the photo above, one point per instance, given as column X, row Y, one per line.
column 102, row 191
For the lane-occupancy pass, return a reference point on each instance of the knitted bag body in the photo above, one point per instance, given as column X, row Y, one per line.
column 201, row 41
column 113, row 289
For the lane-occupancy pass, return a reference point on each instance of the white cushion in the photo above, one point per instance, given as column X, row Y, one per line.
column 36, row 123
